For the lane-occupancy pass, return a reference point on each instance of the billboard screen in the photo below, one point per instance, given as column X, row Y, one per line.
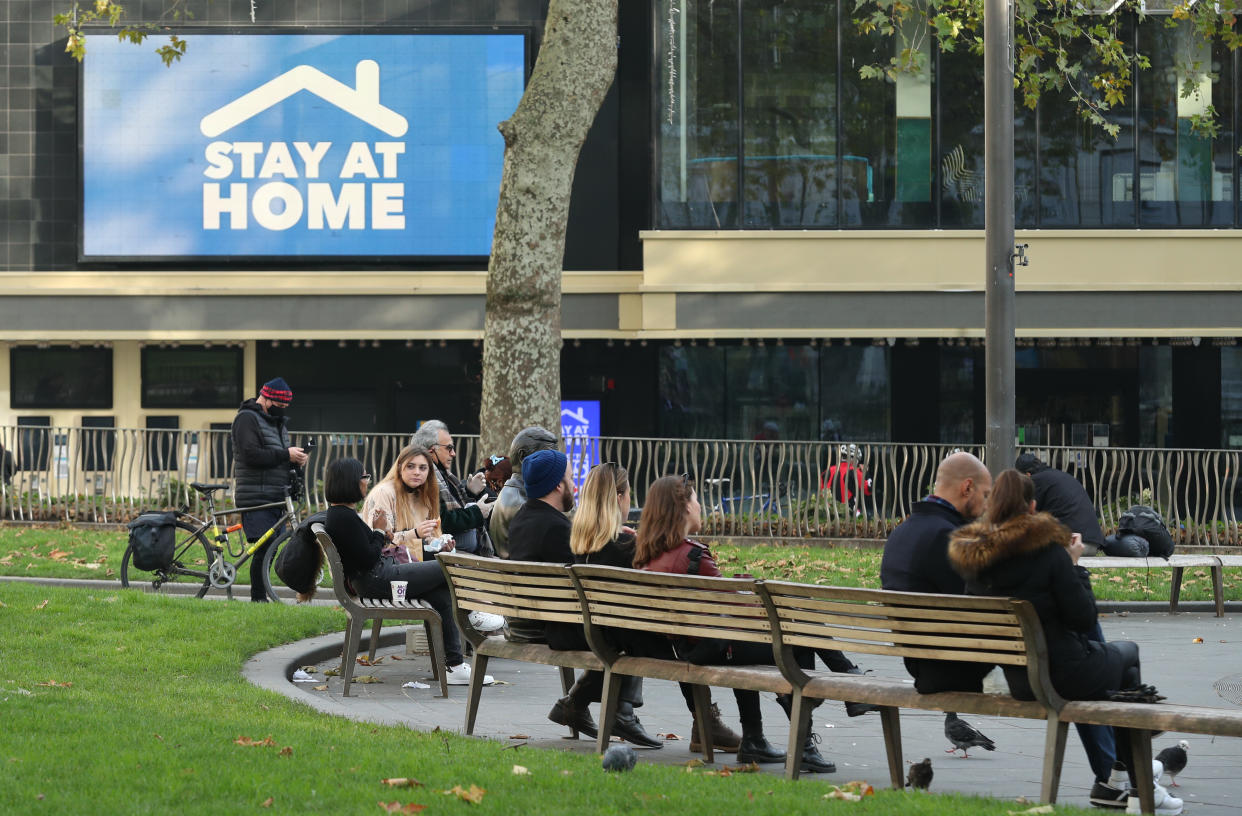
column 283, row 145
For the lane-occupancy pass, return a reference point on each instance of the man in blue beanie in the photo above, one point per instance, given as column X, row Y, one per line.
column 262, row 460
column 540, row 532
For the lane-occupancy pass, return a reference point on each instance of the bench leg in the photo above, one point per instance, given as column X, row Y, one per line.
column 1140, row 755
column 353, row 636
column 435, row 645
column 702, row 707
column 1054, row 755
column 607, row 709
column 799, row 724
column 1175, row 590
column 476, row 690
column 375, row 630
column 1218, row 590
column 890, row 721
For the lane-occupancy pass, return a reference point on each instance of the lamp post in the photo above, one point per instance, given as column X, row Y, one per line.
column 999, row 235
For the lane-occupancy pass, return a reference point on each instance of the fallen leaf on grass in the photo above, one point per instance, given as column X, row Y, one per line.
column 287, row 751
column 397, row 807
column 837, row 793
column 367, row 679
column 55, row 683
column 1032, row 812
column 519, row 736
column 2, row 604
column 266, row 802
column 694, row 763
column 520, row 770
column 58, row 555
column 44, row 604
column 402, row 782
column 749, row 767
column 250, row 742
column 475, row 794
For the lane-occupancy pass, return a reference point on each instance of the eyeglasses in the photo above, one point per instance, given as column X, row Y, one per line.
column 450, row 448
column 366, row 477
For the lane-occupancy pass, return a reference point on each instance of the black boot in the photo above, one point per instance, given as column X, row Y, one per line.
column 756, row 748
column 572, row 710
column 812, row 760
column 858, row 709
column 626, row 726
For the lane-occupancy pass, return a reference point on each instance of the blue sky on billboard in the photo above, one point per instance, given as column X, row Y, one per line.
column 292, row 144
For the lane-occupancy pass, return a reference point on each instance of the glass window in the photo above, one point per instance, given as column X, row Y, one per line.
column 773, row 392
column 789, row 61
column 692, row 394
column 60, row 377
column 957, row 394
column 162, row 439
column 1156, row 396
column 856, row 400
column 191, row 377
column 960, row 90
column 697, row 113
column 1231, row 396
column 1185, row 179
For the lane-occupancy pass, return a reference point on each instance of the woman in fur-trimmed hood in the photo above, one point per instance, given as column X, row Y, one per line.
column 1014, row 551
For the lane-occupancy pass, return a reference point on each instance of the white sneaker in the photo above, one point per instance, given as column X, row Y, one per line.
column 1166, row 805
column 460, row 675
column 484, row 622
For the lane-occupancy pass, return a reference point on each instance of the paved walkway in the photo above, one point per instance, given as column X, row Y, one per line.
column 516, row 709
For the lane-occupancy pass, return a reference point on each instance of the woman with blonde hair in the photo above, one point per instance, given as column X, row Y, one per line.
column 406, row 504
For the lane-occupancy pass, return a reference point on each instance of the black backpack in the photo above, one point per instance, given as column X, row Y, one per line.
column 298, row 563
column 1143, row 521
column 153, row 539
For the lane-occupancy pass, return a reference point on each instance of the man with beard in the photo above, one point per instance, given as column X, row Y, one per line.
column 916, row 559
column 540, row 532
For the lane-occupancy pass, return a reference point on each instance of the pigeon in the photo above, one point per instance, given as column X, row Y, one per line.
column 965, row 736
column 620, row 757
column 1174, row 759
column 920, row 775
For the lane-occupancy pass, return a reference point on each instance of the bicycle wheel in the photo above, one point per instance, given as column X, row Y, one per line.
column 276, row 589
column 191, row 559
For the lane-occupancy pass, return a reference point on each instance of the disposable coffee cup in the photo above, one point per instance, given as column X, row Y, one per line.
column 398, row 590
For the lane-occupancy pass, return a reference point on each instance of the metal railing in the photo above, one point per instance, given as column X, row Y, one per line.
column 768, row 489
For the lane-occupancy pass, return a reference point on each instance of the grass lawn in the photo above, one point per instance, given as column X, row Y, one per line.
column 123, row 702
column 68, row 552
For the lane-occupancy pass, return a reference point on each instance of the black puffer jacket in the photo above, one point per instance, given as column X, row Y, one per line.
column 1026, row 558
column 261, row 467
column 1063, row 496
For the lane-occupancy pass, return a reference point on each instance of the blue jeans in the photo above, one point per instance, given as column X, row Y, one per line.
column 1098, row 740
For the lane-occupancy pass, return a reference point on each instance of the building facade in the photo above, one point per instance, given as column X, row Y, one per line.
column 761, row 245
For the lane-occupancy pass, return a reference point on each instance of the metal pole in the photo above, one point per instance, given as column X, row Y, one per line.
column 998, row 228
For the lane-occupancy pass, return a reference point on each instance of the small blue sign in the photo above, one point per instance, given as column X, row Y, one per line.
column 297, row 144
column 580, row 429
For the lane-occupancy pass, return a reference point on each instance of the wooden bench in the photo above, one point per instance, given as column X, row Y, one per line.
column 1000, row 631
column 514, row 589
column 360, row 610
column 690, row 606
column 1177, row 563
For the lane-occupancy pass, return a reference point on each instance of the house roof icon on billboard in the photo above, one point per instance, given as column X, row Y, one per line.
column 580, row 416
column 361, row 102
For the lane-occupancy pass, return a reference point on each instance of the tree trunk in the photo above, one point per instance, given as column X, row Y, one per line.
column 522, row 333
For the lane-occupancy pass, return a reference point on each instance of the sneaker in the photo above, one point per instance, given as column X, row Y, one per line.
column 1166, row 805
column 460, row 675
column 484, row 622
column 1108, row 796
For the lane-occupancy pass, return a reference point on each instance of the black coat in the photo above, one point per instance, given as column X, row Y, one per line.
column 1063, row 496
column 540, row 532
column 1026, row 558
column 915, row 555
column 261, row 466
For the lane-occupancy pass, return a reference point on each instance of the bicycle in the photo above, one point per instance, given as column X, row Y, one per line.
column 212, row 568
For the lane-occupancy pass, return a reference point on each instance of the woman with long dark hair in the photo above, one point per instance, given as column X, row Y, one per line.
column 370, row 572
column 1014, row 551
column 671, row 515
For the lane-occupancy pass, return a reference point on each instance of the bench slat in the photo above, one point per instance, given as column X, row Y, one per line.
column 650, row 603
column 564, row 591
column 785, row 602
column 643, row 617
column 517, row 575
column 755, row 678
column 518, row 601
column 1004, row 658
column 889, row 692
column 661, row 626
column 641, row 594
column 1012, row 629
column 1221, row 722
column 898, row 638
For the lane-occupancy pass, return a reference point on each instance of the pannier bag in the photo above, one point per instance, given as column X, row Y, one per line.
column 153, row 538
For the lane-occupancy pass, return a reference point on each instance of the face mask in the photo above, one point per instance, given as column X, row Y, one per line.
column 277, row 411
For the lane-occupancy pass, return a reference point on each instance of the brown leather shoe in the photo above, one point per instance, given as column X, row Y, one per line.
column 724, row 738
